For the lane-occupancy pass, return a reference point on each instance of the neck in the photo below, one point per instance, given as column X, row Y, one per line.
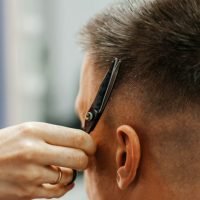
column 152, row 186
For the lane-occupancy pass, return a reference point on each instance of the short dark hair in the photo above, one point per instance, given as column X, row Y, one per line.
column 159, row 43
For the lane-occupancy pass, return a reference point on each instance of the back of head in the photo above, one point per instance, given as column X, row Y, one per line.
column 159, row 44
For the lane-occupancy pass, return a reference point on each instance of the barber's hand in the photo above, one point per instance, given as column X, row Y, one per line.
column 29, row 153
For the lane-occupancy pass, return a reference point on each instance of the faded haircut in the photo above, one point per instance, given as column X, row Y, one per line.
column 159, row 44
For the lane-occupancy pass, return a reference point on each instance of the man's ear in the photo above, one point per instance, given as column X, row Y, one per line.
column 128, row 156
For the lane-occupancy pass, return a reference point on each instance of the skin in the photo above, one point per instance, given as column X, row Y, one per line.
column 117, row 169
column 29, row 153
column 104, row 170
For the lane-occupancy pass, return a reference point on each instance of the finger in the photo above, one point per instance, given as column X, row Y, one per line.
column 62, row 156
column 50, row 174
column 62, row 136
column 51, row 191
column 66, row 175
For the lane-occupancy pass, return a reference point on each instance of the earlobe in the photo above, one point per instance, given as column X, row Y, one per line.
column 128, row 156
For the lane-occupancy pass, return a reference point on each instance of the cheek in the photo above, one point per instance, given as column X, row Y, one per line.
column 104, row 159
column 101, row 173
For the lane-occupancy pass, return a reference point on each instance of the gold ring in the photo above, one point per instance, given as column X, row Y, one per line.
column 59, row 175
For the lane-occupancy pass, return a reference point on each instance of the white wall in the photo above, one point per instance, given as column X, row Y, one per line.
column 2, row 68
column 25, row 80
column 64, row 20
column 43, row 58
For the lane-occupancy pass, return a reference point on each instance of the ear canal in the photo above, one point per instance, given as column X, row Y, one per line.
column 123, row 161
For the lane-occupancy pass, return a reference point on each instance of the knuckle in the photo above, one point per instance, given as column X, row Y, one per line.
column 60, row 193
column 26, row 193
column 49, row 195
column 91, row 145
column 82, row 160
column 34, row 175
column 22, row 195
column 81, row 139
column 36, row 178
column 86, row 142
column 29, row 193
column 26, row 175
column 23, row 177
column 27, row 150
column 26, row 128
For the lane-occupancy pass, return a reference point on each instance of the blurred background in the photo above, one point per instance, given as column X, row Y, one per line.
column 40, row 62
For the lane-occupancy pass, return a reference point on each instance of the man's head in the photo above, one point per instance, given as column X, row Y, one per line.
column 148, row 136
